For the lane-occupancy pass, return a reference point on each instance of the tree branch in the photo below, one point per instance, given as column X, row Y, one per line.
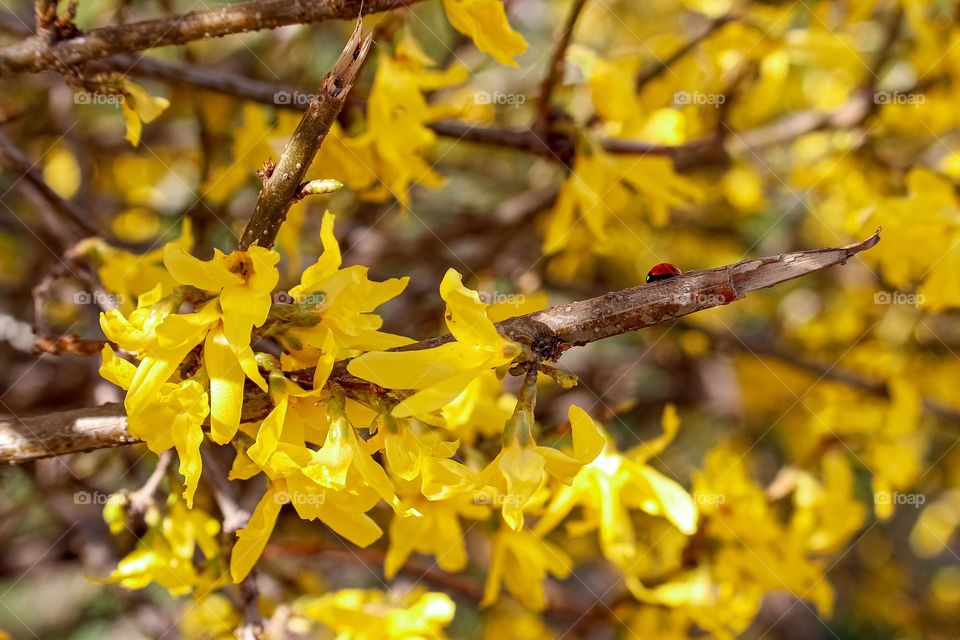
column 280, row 187
column 545, row 334
column 555, row 67
column 658, row 68
column 33, row 54
column 25, row 175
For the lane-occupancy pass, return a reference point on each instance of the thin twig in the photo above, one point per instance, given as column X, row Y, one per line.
column 280, row 188
column 145, row 497
column 45, row 15
column 555, row 67
column 235, row 518
column 33, row 55
column 545, row 335
column 25, row 175
column 714, row 148
column 659, row 67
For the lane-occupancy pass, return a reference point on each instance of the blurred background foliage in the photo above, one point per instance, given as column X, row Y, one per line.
column 859, row 362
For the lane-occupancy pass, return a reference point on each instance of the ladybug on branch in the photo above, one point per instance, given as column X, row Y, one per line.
column 662, row 271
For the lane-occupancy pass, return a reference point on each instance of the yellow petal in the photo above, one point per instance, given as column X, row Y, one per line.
column 116, row 370
column 466, row 315
column 674, row 501
column 268, row 436
column 415, row 369
column 358, row 528
column 329, row 261
column 485, row 22
column 588, row 437
column 253, row 538
column 226, row 387
column 523, row 469
column 210, row 275
column 435, row 397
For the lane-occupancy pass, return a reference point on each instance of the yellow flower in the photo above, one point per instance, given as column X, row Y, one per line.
column 167, row 553
column 139, row 107
column 601, row 195
column 243, row 282
column 611, row 485
column 436, row 531
column 440, row 374
column 485, row 22
column 128, row 275
column 212, row 617
column 336, row 484
column 173, row 418
column 374, row 615
column 522, row 561
column 518, row 470
column 395, row 140
column 337, row 304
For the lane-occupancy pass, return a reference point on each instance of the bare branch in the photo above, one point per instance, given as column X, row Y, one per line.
column 25, row 175
column 281, row 187
column 235, row 518
column 45, row 15
column 145, row 497
column 34, row 55
column 712, row 149
column 660, row 66
column 545, row 334
column 555, row 69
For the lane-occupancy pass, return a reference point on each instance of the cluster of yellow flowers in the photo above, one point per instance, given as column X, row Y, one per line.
column 334, row 452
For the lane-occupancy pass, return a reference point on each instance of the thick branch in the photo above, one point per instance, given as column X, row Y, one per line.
column 280, row 187
column 34, row 55
column 546, row 334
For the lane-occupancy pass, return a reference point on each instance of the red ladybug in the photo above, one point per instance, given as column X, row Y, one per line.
column 662, row 271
